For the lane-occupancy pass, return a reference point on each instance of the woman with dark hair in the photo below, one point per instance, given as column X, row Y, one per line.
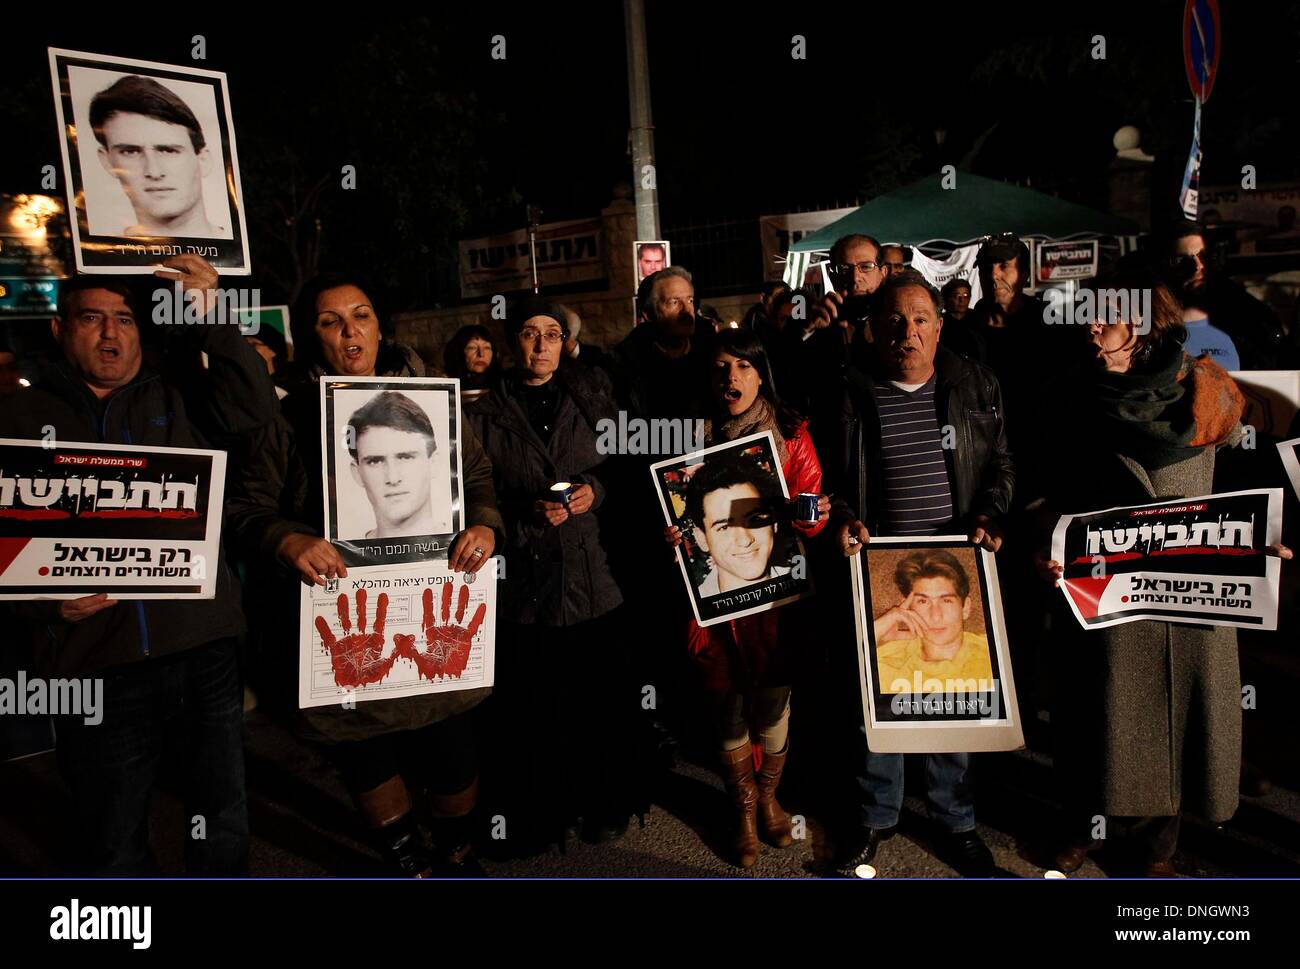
column 748, row 664
column 560, row 722
column 471, row 357
column 1147, row 714
column 386, row 750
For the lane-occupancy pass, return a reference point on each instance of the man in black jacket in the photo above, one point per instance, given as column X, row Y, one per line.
column 171, row 684
column 926, row 454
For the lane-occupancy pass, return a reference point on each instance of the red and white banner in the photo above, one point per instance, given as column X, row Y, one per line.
column 136, row 522
column 1199, row 560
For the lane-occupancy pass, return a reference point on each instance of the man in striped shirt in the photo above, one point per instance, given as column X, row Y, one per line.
column 927, row 455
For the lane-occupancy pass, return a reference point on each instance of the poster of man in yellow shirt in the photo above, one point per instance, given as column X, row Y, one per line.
column 924, row 636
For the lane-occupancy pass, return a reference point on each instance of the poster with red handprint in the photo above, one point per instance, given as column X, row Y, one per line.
column 381, row 634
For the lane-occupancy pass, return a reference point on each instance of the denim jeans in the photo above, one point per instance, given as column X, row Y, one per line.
column 947, row 788
column 190, row 706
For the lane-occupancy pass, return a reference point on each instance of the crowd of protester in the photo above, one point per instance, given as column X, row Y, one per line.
column 859, row 387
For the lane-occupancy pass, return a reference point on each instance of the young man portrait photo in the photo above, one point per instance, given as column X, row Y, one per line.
column 925, row 631
column 391, row 443
column 733, row 507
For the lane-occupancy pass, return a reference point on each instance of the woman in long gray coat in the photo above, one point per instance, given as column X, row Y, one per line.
column 1147, row 714
column 560, row 723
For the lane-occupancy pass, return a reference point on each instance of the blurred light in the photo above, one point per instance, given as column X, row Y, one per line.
column 24, row 382
column 31, row 212
column 865, row 871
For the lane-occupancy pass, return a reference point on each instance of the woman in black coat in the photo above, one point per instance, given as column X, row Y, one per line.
column 562, row 709
column 276, row 513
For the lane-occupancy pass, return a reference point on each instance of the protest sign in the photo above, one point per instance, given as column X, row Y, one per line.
column 149, row 162
column 1196, row 560
column 392, row 467
column 739, row 554
column 932, row 648
column 77, row 519
column 380, row 634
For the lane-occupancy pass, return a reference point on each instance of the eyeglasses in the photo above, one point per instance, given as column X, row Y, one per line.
column 845, row 268
column 547, row 336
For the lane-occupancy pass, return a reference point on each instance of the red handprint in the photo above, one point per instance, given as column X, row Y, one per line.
column 448, row 645
column 358, row 657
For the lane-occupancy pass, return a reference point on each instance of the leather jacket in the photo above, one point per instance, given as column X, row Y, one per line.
column 969, row 401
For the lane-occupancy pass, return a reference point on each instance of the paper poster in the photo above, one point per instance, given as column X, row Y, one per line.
column 136, row 522
column 392, row 467
column 1199, row 560
column 149, row 162
column 932, row 647
column 740, row 553
column 380, row 634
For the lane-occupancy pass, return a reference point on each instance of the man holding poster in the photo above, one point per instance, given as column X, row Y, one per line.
column 902, row 480
column 168, row 666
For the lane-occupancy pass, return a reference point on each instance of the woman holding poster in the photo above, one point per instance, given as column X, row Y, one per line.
column 277, row 514
column 747, row 664
column 1147, row 713
column 562, row 715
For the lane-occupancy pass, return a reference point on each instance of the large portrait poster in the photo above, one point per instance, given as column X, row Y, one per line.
column 149, row 162
column 739, row 553
column 932, row 648
column 392, row 467
column 380, row 634
column 1198, row 560
column 134, row 522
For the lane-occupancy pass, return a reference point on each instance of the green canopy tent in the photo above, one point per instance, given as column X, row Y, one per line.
column 925, row 211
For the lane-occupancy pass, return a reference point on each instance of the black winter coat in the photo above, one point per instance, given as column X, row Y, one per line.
column 235, row 398
column 555, row 576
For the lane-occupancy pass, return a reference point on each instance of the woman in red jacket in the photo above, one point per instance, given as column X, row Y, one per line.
column 748, row 663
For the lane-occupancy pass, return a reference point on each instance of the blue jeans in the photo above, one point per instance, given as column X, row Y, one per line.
column 188, row 705
column 947, row 787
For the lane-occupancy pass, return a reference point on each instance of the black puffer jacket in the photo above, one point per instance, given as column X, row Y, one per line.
column 555, row 576
column 233, row 399
column 968, row 398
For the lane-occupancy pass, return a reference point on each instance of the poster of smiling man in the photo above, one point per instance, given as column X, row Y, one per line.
column 149, row 162
column 739, row 554
column 932, row 648
column 392, row 469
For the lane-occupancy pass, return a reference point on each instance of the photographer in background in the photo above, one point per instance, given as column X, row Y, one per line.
column 1215, row 306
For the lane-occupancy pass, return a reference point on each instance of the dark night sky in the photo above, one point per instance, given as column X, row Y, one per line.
column 741, row 128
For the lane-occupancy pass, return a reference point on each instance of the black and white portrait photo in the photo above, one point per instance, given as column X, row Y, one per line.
column 739, row 552
column 150, row 163
column 392, row 467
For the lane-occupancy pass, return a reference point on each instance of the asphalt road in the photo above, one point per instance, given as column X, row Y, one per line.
column 303, row 825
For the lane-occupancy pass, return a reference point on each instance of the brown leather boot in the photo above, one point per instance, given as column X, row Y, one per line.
column 773, row 822
column 738, row 773
column 387, row 810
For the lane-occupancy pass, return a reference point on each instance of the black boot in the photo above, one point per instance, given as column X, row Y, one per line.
column 403, row 849
column 451, row 827
column 393, row 831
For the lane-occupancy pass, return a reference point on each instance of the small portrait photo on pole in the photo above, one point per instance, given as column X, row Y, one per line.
column 650, row 257
column 149, row 163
